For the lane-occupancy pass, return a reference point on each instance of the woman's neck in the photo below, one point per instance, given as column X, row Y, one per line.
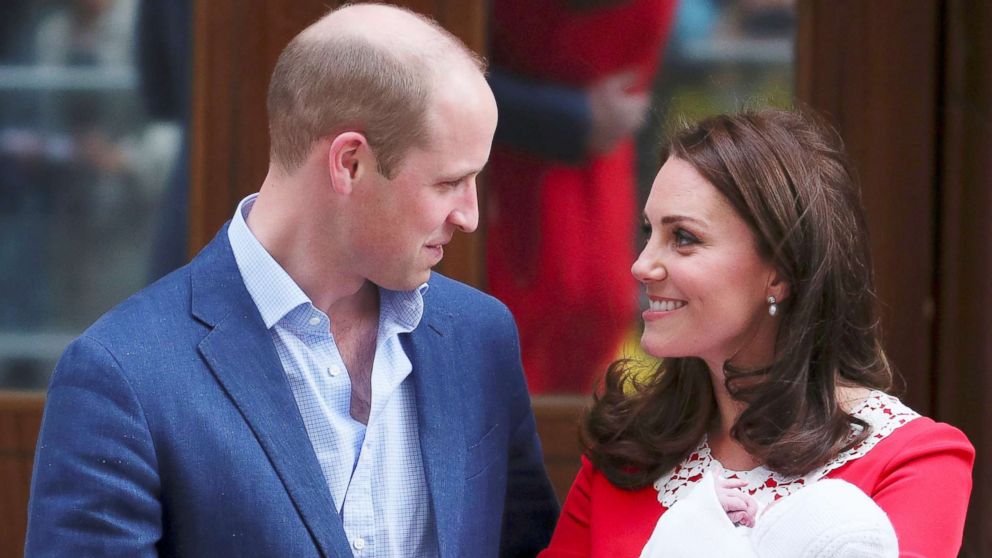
column 729, row 452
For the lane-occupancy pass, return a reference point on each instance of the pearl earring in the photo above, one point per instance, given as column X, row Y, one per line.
column 772, row 306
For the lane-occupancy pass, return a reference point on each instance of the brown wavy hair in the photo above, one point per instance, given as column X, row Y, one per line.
column 787, row 176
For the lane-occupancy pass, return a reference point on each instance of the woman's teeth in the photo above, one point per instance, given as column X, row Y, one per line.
column 666, row 305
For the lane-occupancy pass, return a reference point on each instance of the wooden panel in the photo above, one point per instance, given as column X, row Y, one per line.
column 235, row 50
column 20, row 420
column 872, row 67
column 467, row 20
column 558, row 418
column 964, row 311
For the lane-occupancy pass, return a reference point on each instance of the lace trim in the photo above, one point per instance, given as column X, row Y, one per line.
column 883, row 412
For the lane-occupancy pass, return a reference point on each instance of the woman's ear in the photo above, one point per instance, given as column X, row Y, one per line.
column 778, row 287
column 349, row 159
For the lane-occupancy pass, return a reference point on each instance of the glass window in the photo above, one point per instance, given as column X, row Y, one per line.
column 91, row 157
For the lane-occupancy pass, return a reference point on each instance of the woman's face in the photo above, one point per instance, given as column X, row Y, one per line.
column 706, row 282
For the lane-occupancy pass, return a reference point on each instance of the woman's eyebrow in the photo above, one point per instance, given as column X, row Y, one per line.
column 671, row 219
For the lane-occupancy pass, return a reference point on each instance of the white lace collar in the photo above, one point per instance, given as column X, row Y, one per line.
column 883, row 412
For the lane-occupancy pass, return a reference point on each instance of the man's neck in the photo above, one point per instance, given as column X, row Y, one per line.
column 303, row 247
column 301, row 241
column 362, row 305
column 355, row 326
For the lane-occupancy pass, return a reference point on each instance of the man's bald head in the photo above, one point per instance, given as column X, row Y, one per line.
column 371, row 68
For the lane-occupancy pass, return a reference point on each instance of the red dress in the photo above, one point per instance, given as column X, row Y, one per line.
column 919, row 474
column 561, row 236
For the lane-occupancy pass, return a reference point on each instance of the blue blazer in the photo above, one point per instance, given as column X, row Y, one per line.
column 170, row 429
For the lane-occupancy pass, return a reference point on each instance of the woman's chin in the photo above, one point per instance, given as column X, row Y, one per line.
column 659, row 350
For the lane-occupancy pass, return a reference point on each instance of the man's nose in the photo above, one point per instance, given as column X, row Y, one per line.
column 465, row 215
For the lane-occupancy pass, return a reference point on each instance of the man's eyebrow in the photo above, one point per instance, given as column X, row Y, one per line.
column 461, row 176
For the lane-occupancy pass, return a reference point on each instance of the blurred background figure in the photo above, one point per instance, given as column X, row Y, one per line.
column 165, row 45
column 723, row 54
column 572, row 82
column 82, row 168
column 120, row 162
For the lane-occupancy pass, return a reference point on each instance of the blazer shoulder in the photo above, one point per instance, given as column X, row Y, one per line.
column 162, row 303
column 164, row 309
column 459, row 300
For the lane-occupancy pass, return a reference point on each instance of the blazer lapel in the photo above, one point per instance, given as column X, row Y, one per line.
column 442, row 440
column 241, row 356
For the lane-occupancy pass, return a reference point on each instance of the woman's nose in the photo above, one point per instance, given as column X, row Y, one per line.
column 648, row 267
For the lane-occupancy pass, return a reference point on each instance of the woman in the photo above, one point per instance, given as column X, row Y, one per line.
column 759, row 278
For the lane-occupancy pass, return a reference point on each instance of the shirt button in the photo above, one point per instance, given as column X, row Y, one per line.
column 333, row 370
column 359, row 543
column 314, row 321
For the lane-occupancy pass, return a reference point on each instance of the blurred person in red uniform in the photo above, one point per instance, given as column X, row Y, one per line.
column 571, row 80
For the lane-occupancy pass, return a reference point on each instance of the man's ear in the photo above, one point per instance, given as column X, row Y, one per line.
column 349, row 159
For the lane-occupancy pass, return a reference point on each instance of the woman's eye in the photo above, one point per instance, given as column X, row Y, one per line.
column 646, row 228
column 684, row 238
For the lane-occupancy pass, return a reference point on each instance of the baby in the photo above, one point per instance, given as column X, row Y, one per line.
column 828, row 518
column 740, row 508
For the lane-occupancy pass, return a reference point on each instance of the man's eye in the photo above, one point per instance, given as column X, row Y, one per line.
column 684, row 238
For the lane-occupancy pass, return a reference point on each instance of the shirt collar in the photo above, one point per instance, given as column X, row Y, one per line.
column 401, row 311
column 273, row 290
column 276, row 294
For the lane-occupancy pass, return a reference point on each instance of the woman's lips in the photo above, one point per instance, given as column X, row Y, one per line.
column 661, row 307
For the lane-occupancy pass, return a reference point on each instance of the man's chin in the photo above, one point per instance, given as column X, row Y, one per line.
column 413, row 281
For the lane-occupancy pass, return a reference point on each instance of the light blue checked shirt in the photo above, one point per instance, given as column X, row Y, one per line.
column 374, row 473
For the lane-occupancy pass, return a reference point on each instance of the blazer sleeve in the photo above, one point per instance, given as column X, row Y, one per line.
column 95, row 486
column 531, row 507
column 924, row 489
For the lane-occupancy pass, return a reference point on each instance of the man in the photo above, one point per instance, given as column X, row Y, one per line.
column 301, row 388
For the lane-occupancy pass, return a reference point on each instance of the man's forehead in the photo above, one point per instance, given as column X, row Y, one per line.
column 458, row 126
column 375, row 22
column 398, row 30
